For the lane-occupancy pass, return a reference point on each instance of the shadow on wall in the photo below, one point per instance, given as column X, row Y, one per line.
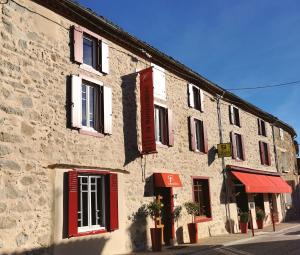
column 129, row 117
column 138, row 230
column 91, row 246
column 212, row 152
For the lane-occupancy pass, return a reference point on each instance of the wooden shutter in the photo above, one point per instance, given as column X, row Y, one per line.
column 78, row 44
column 233, row 144
column 231, row 114
column 147, row 111
column 205, row 138
column 113, row 202
column 191, row 95
column 73, row 203
column 259, row 127
column 104, row 57
column 201, row 100
column 192, row 134
column 262, row 152
column 269, row 155
column 76, row 102
column 107, row 99
column 170, row 128
column 159, row 81
column 243, row 148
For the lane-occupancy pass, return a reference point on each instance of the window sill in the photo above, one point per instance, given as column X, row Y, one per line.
column 239, row 160
column 90, row 69
column 200, row 152
column 93, row 232
column 200, row 219
column 160, row 145
column 90, row 133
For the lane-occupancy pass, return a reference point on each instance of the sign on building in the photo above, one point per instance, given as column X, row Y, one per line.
column 224, row 150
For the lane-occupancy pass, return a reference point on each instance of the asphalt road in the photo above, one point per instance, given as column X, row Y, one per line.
column 286, row 242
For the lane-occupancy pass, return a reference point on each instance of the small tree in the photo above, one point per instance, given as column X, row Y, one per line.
column 192, row 208
column 177, row 213
column 154, row 209
column 244, row 217
column 260, row 214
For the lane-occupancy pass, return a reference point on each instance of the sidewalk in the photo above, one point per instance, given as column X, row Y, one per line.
column 208, row 243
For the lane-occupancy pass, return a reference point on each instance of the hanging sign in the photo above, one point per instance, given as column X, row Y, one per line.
column 224, row 150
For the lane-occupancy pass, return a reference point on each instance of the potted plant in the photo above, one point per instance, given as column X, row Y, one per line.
column 154, row 210
column 192, row 208
column 244, row 218
column 260, row 216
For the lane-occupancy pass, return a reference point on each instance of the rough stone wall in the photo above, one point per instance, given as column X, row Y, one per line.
column 34, row 68
column 288, row 168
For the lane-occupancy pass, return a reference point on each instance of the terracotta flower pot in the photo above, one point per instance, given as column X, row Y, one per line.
column 244, row 227
column 193, row 232
column 156, row 239
column 260, row 224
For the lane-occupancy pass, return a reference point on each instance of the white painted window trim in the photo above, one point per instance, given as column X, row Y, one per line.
column 91, row 227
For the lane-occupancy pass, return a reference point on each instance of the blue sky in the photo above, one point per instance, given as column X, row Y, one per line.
column 232, row 43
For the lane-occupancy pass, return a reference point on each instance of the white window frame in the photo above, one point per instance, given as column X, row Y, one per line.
column 192, row 97
column 233, row 118
column 87, row 127
column 91, row 227
column 157, row 109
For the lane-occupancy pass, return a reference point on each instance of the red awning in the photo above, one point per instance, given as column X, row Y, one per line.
column 260, row 183
column 166, row 180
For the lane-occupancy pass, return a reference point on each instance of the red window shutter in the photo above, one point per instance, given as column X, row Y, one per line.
column 192, row 134
column 78, row 44
column 147, row 111
column 269, row 155
column 205, row 139
column 233, row 145
column 262, row 152
column 113, row 208
column 243, row 147
column 73, row 203
column 171, row 128
column 259, row 127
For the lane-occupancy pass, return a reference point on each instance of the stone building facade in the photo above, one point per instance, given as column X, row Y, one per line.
column 55, row 148
column 285, row 154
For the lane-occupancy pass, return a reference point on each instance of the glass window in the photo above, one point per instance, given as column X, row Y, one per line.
column 197, row 98
column 201, row 196
column 239, row 147
column 89, row 94
column 161, row 125
column 90, row 51
column 91, row 202
column 199, row 135
column 236, row 116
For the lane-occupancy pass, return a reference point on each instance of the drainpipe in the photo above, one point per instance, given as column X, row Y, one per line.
column 224, row 172
column 282, row 203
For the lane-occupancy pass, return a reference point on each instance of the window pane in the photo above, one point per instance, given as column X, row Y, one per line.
column 84, row 98
column 157, row 125
column 91, row 106
column 101, row 201
column 239, row 146
column 87, row 51
column 199, row 135
column 85, row 221
column 197, row 101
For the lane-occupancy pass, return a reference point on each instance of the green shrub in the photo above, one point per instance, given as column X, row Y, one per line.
column 260, row 214
column 192, row 208
column 154, row 209
column 244, row 217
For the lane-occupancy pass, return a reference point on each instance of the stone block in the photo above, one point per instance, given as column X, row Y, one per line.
column 7, row 223
column 27, row 129
column 9, row 138
column 4, row 150
column 3, row 207
column 21, row 239
column 9, row 164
